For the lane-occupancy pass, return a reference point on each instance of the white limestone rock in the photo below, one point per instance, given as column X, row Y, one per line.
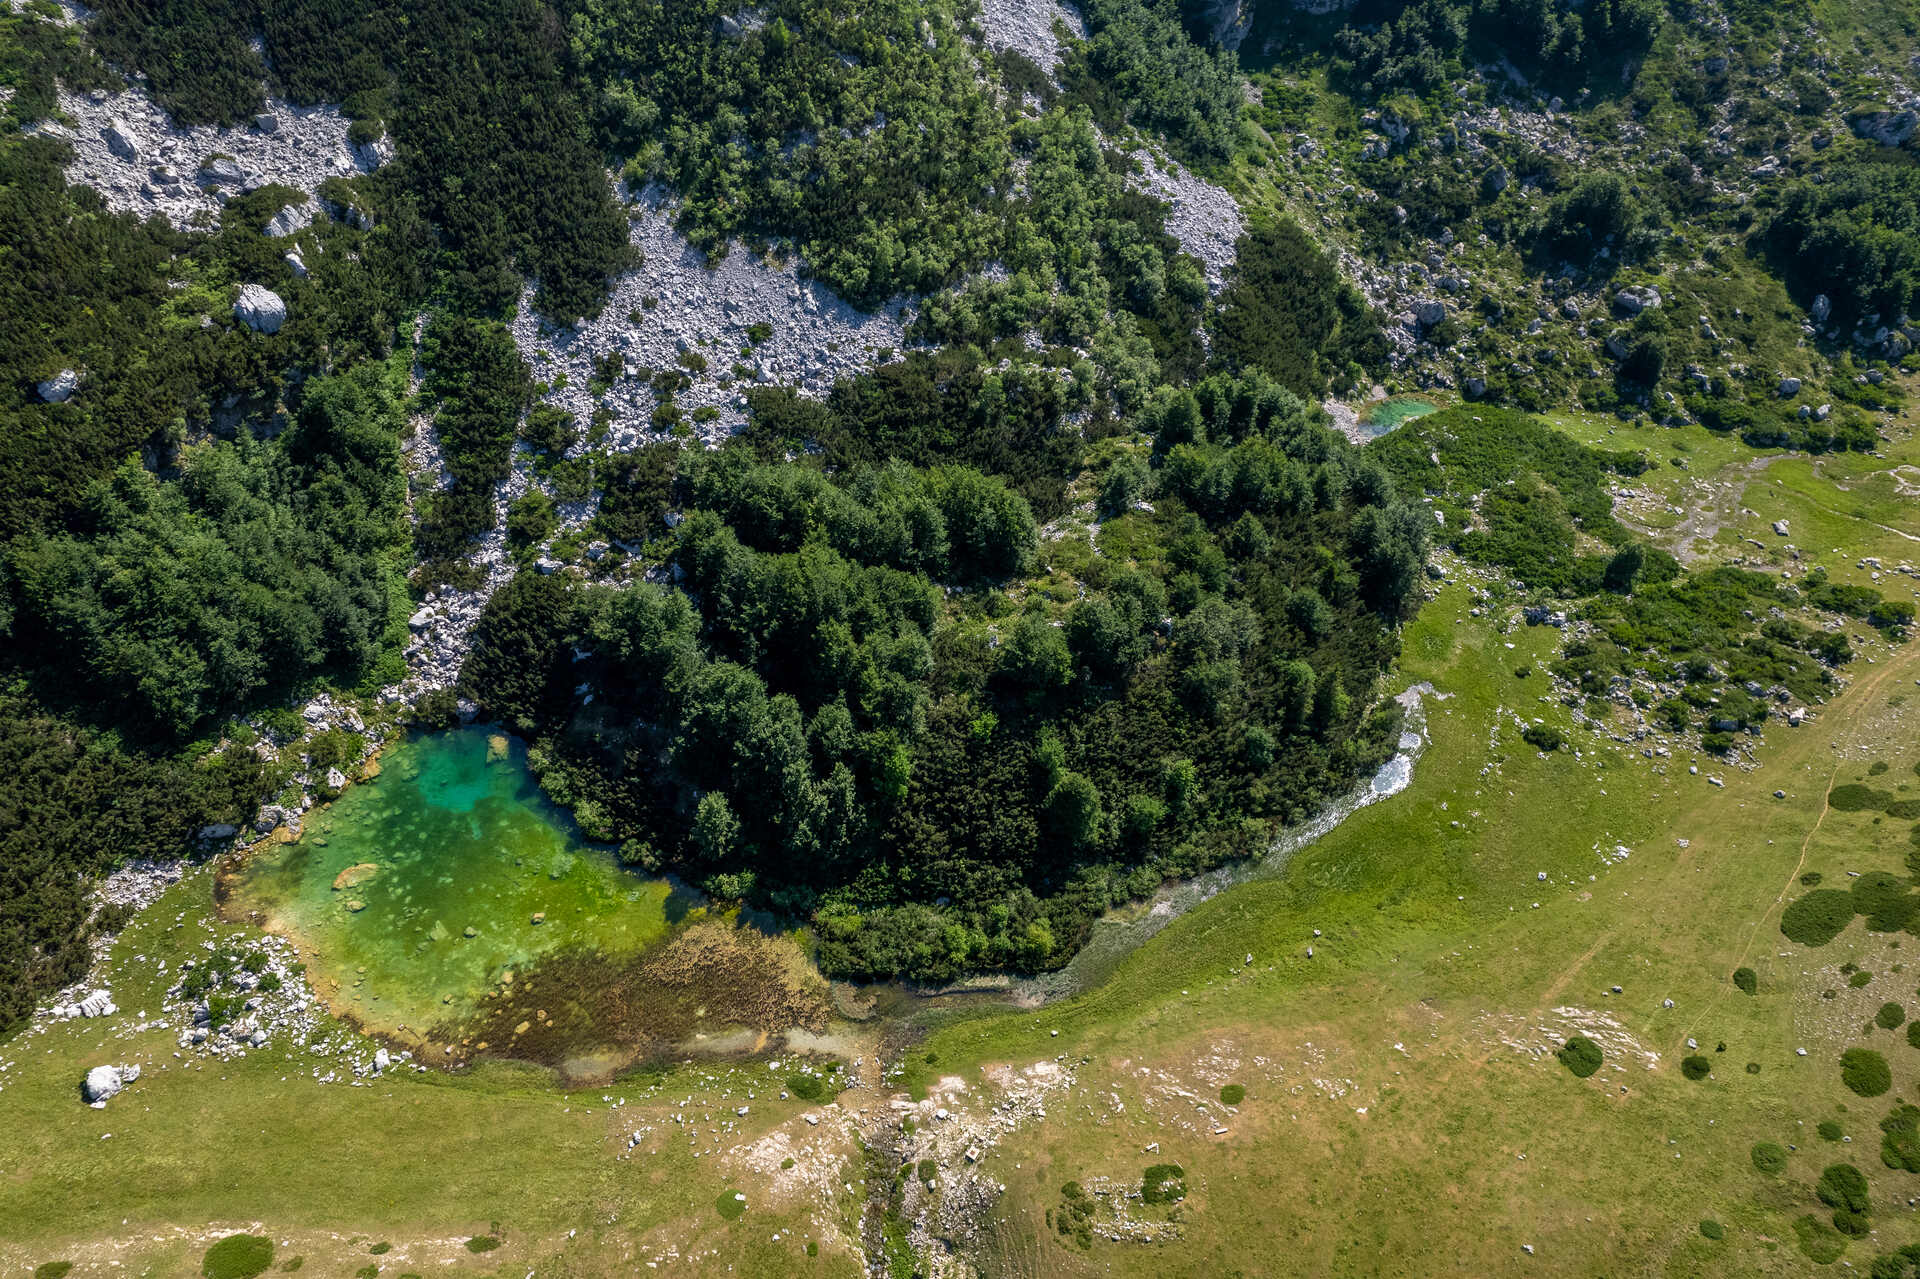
column 261, row 310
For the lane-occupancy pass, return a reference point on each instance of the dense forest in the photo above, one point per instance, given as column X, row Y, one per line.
column 855, row 708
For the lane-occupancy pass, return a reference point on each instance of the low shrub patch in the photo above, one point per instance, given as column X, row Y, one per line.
column 1856, row 980
column 1830, row 1131
column 1865, row 1072
column 1232, row 1095
column 1817, row 918
column 1746, row 980
column 731, row 1205
column 1890, row 1016
column 1843, row 1186
column 1695, row 1067
column 1913, row 1033
column 1581, row 1056
column 1544, row 736
column 237, row 1257
column 1712, row 1229
column 928, row 1170
column 52, row 1270
column 1164, row 1184
column 807, row 1087
column 1900, row 1139
column 1769, row 1157
column 1821, row 1243
column 483, row 1243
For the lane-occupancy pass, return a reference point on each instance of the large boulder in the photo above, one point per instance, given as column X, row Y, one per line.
column 1428, row 312
column 1640, row 297
column 261, row 310
column 1822, row 308
column 57, row 388
column 1888, row 128
column 103, row 1082
column 119, row 140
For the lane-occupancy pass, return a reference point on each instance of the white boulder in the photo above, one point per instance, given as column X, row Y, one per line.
column 57, row 388
column 261, row 310
column 119, row 140
column 103, row 1082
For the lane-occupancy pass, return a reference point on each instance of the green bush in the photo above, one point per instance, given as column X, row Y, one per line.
column 1857, row 980
column 1544, row 736
column 1830, row 1130
column 1843, row 1186
column 1746, row 980
column 1232, row 1095
column 927, row 1170
column 52, row 1270
column 1913, row 1033
column 1769, row 1157
column 807, row 1087
column 238, row 1257
column 1164, row 1184
column 731, row 1205
column 1817, row 918
column 1695, row 1067
column 483, row 1243
column 1712, row 1229
column 381, row 1248
column 1890, row 1016
column 1900, row 1138
column 1819, row 1241
column 1865, row 1072
column 1581, row 1056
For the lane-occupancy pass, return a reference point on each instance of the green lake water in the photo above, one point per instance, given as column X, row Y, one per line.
column 1391, row 414
column 466, row 851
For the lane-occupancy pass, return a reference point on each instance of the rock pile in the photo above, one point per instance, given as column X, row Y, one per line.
column 126, row 148
column 679, row 311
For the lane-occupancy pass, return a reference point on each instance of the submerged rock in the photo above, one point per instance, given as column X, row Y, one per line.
column 356, row 875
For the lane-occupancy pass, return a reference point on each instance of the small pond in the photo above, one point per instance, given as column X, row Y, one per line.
column 414, row 894
column 1391, row 414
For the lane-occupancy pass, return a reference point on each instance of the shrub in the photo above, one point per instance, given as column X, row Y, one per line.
column 292, row 1264
column 1859, row 979
column 1817, row 918
column 1544, row 736
column 1713, row 1229
column 1164, row 1184
column 1746, row 980
column 1769, row 1157
column 237, row 1257
column 731, row 1205
column 1843, row 1186
column 1581, row 1056
column 1695, row 1067
column 1900, row 1138
column 807, row 1087
column 1913, row 1033
column 483, row 1243
column 1890, row 1016
column 927, row 1170
column 1865, row 1072
column 52, row 1270
column 1819, row 1241
column 381, row 1248
column 1232, row 1095
column 1830, row 1130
